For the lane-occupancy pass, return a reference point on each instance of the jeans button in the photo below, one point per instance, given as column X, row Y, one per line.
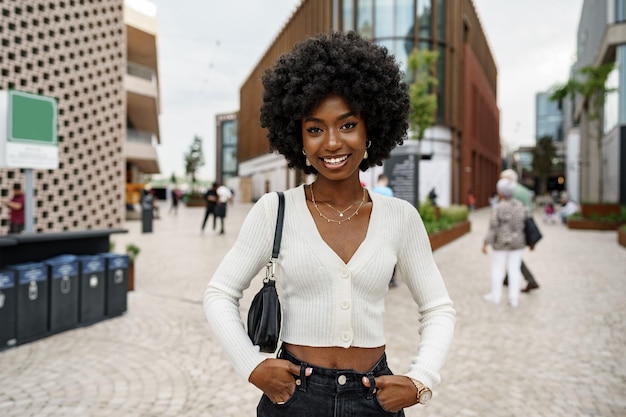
column 342, row 379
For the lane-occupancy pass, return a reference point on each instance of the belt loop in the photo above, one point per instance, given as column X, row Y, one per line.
column 372, row 390
column 302, row 385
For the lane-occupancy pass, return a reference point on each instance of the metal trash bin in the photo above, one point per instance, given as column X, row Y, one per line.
column 63, row 275
column 92, row 289
column 116, row 283
column 32, row 301
column 147, row 212
column 7, row 309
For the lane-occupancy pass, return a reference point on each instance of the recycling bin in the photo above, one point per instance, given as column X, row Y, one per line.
column 92, row 289
column 116, row 283
column 7, row 309
column 32, row 301
column 63, row 277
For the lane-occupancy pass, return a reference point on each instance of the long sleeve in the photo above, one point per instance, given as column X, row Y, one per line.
column 243, row 262
column 416, row 265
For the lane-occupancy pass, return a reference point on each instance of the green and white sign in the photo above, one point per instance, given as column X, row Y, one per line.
column 28, row 131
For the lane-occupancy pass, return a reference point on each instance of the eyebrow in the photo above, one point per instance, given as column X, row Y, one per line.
column 341, row 117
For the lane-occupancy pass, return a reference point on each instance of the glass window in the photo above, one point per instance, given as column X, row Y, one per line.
column 230, row 160
column 620, row 10
column 441, row 20
column 347, row 15
column 404, row 18
column 229, row 133
column 393, row 18
column 424, row 18
column 384, row 19
column 365, row 14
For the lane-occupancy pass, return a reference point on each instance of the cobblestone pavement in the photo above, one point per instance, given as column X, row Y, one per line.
column 561, row 353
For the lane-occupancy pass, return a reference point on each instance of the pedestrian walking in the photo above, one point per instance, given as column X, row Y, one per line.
column 224, row 195
column 210, row 199
column 506, row 236
column 523, row 195
column 336, row 104
column 175, row 197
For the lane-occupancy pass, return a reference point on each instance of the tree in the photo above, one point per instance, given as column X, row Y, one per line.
column 422, row 91
column 194, row 159
column 543, row 155
column 423, row 99
column 591, row 87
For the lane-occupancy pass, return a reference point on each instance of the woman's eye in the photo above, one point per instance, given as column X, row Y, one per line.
column 313, row 130
column 349, row 125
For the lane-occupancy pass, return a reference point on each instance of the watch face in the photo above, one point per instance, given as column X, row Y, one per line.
column 425, row 397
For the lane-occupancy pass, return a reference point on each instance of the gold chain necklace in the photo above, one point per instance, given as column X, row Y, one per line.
column 340, row 213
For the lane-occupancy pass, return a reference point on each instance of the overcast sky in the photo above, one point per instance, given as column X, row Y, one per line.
column 207, row 48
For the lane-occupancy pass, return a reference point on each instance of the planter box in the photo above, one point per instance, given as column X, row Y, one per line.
column 621, row 237
column 195, row 201
column 444, row 237
column 588, row 210
column 587, row 224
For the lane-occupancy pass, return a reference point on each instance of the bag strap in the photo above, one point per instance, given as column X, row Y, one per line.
column 279, row 225
column 270, row 268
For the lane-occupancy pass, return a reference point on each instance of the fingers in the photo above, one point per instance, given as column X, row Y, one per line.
column 295, row 369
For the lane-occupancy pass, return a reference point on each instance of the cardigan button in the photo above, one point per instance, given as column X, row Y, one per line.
column 345, row 273
column 345, row 304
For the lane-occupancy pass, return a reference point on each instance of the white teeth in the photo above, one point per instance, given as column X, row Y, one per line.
column 335, row 160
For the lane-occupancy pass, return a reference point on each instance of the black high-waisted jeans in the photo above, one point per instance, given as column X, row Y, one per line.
column 329, row 393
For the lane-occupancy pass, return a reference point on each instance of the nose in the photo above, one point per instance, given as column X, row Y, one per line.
column 332, row 140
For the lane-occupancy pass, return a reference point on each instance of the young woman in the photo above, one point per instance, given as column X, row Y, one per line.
column 334, row 105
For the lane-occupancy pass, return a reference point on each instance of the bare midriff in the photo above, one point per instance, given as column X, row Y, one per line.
column 360, row 359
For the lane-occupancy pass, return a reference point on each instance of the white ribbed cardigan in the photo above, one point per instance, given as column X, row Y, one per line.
column 326, row 302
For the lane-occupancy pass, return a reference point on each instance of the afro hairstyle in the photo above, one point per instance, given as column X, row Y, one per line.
column 342, row 63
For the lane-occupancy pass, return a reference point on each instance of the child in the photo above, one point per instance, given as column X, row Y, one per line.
column 549, row 214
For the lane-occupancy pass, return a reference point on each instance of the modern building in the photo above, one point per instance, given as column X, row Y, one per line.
column 601, row 39
column 76, row 53
column 141, row 83
column 549, row 122
column 464, row 143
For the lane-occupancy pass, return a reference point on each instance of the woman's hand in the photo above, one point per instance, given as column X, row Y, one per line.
column 275, row 377
column 394, row 392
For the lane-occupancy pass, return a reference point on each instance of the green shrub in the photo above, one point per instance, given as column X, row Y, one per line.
column 456, row 213
column 448, row 216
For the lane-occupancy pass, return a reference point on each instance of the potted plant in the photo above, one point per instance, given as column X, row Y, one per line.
column 132, row 251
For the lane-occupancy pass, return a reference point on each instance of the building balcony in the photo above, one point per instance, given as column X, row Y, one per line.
column 139, row 150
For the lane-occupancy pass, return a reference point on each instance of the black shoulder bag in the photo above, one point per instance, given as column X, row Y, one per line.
column 531, row 231
column 264, row 316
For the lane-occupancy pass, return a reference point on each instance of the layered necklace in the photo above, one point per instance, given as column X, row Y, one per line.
column 341, row 212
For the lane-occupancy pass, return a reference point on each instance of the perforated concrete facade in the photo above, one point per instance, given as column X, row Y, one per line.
column 74, row 51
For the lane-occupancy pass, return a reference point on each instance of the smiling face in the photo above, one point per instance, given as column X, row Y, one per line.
column 334, row 139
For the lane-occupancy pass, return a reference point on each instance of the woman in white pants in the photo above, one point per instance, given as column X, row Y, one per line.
column 506, row 236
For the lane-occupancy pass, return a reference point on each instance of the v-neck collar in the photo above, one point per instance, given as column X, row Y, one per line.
column 311, row 231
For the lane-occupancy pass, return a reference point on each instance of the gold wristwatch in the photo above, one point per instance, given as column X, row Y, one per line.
column 424, row 394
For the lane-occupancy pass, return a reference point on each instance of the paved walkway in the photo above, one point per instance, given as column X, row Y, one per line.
column 561, row 353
